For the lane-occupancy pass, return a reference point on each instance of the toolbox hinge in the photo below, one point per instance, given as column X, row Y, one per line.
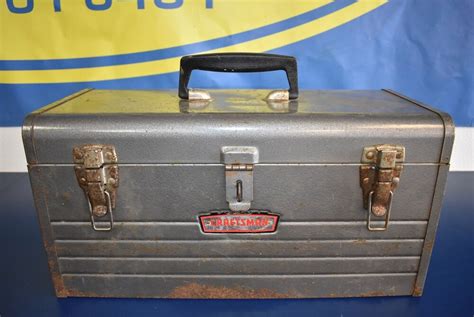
column 379, row 177
column 97, row 173
column 239, row 165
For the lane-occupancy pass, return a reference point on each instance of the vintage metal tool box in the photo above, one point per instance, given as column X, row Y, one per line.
column 238, row 194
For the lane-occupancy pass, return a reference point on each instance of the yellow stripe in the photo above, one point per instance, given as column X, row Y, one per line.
column 262, row 44
column 58, row 35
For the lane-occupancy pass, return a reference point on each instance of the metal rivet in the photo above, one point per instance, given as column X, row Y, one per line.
column 396, row 180
column 100, row 211
column 370, row 155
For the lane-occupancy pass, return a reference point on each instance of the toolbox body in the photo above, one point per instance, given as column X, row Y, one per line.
column 238, row 196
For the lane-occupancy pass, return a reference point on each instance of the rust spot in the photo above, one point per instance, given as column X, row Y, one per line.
column 428, row 246
column 77, row 293
column 381, row 176
column 417, row 291
column 375, row 293
column 66, row 196
column 58, row 285
column 55, row 275
column 40, row 195
column 200, row 291
column 195, row 290
column 392, row 247
column 365, row 294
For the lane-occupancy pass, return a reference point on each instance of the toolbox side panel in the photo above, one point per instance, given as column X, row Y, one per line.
column 438, row 193
column 41, row 195
column 431, row 230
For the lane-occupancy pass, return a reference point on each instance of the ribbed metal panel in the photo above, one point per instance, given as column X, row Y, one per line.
column 156, row 249
column 239, row 286
column 239, row 265
column 235, row 248
column 286, row 231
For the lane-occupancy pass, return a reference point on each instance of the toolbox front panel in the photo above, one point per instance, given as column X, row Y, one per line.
column 321, row 248
column 309, row 192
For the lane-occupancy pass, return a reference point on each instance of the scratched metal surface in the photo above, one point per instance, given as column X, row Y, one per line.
column 350, row 266
column 26, row 289
column 146, row 133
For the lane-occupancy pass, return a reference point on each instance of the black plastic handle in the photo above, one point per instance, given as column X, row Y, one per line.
column 239, row 63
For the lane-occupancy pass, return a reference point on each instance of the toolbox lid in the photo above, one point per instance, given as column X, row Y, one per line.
column 321, row 126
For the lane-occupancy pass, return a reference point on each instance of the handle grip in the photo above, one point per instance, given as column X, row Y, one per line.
column 239, row 63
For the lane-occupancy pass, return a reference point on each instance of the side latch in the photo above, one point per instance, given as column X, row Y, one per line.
column 239, row 165
column 97, row 173
column 379, row 177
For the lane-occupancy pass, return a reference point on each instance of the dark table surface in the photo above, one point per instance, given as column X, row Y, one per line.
column 26, row 289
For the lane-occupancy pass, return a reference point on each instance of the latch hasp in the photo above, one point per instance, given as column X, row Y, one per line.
column 97, row 174
column 239, row 165
column 379, row 177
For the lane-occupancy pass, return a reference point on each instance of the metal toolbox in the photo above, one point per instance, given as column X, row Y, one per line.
column 238, row 193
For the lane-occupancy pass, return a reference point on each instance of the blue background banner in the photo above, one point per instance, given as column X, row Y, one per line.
column 423, row 49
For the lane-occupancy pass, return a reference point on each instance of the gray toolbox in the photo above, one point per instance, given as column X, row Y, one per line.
column 238, row 193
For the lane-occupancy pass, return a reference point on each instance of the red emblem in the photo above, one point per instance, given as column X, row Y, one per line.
column 230, row 222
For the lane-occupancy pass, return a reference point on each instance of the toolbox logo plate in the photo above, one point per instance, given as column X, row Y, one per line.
column 230, row 222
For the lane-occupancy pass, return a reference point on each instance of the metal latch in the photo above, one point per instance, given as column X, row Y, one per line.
column 239, row 165
column 379, row 177
column 97, row 173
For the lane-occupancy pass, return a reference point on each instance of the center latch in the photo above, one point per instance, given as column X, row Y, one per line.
column 239, row 165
